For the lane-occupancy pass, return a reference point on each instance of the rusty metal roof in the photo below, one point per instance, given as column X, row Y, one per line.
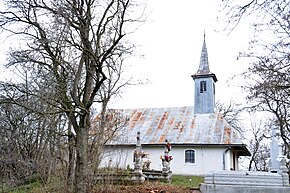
column 179, row 125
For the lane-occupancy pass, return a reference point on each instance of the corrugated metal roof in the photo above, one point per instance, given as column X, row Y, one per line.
column 179, row 125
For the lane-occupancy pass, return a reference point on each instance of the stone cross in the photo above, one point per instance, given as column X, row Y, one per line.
column 166, row 159
column 138, row 155
column 275, row 152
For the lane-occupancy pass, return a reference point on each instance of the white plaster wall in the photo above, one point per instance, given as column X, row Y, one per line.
column 228, row 160
column 207, row 159
column 154, row 156
column 118, row 157
column 234, row 161
column 237, row 163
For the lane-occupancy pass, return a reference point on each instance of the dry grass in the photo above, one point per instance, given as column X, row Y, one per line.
column 147, row 187
column 180, row 184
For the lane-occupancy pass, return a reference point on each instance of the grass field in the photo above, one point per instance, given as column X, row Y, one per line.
column 179, row 183
column 187, row 181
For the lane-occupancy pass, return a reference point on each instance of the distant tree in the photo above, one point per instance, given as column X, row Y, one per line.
column 29, row 140
column 267, row 78
column 104, row 122
column 258, row 141
column 66, row 47
column 232, row 114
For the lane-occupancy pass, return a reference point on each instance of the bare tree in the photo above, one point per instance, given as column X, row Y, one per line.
column 259, row 146
column 267, row 81
column 29, row 140
column 66, row 46
column 232, row 114
column 105, row 123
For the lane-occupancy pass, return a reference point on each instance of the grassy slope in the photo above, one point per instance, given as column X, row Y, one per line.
column 179, row 184
column 187, row 181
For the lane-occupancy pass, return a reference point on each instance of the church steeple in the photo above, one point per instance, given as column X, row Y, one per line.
column 203, row 64
column 204, row 96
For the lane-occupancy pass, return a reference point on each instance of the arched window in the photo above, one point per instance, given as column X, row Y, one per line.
column 190, row 156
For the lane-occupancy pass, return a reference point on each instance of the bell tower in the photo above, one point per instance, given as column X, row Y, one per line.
column 204, row 94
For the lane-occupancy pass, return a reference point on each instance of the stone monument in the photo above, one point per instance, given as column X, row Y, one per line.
column 278, row 161
column 166, row 158
column 275, row 153
column 138, row 175
column 275, row 181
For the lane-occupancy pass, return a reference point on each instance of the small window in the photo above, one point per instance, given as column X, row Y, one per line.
column 189, row 156
column 202, row 86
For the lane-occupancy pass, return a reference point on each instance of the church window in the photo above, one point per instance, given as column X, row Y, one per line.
column 190, row 156
column 202, row 86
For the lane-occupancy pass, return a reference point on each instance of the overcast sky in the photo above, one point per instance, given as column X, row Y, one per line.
column 171, row 42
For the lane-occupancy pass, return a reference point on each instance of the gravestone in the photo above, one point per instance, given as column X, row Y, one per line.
column 166, row 158
column 275, row 152
column 276, row 181
column 138, row 175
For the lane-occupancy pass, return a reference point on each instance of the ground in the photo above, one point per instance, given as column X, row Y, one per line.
column 146, row 188
column 179, row 184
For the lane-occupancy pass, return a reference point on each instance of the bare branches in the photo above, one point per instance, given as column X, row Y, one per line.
column 70, row 49
column 232, row 113
column 268, row 74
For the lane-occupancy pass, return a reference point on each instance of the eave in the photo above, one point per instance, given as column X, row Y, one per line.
column 206, row 75
column 241, row 149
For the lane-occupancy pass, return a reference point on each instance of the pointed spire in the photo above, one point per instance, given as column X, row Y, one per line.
column 203, row 64
column 203, row 70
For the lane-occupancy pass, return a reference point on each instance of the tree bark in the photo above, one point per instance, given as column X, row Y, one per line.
column 71, row 158
column 81, row 160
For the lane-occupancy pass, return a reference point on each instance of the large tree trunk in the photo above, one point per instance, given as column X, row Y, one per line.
column 81, row 158
column 71, row 158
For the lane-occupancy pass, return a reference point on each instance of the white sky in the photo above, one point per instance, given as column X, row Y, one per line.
column 171, row 42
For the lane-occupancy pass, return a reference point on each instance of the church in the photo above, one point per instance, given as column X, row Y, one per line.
column 201, row 139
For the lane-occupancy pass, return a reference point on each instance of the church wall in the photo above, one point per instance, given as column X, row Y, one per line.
column 207, row 159
column 118, row 157
column 234, row 163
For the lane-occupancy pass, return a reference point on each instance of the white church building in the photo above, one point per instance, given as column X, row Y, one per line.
column 201, row 139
